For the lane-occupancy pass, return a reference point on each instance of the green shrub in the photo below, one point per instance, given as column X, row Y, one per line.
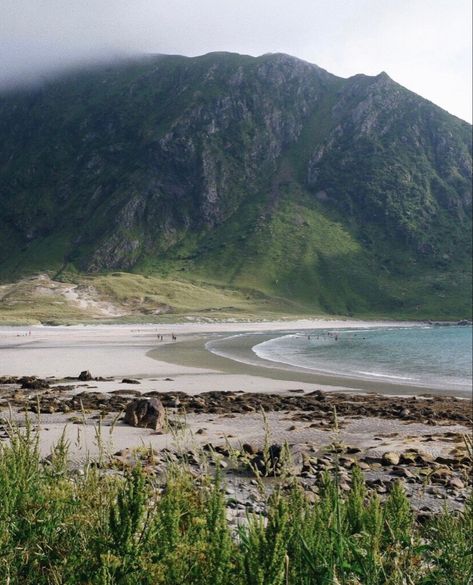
column 60, row 525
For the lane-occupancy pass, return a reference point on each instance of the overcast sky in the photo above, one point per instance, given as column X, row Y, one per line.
column 423, row 44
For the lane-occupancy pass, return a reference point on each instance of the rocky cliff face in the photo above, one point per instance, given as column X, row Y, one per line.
column 170, row 163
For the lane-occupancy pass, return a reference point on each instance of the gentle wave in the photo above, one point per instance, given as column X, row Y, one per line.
column 377, row 375
column 424, row 355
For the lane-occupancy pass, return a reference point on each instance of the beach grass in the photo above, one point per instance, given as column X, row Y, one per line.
column 126, row 297
column 60, row 523
column 123, row 297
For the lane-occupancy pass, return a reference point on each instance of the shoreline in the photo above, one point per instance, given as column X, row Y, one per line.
column 187, row 364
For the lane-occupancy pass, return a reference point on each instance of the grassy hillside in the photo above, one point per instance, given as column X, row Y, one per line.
column 266, row 174
column 123, row 297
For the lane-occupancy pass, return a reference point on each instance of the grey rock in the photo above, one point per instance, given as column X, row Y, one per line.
column 147, row 413
column 391, row 458
column 456, row 483
column 85, row 376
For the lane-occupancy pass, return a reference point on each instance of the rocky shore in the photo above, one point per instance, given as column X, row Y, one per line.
column 259, row 439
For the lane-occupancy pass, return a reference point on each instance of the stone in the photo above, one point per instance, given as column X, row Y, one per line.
column 318, row 394
column 456, row 483
column 408, row 457
column 363, row 466
column 173, row 402
column 402, row 472
column 445, row 460
column 391, row 458
column 33, row 383
column 130, row 381
column 146, row 413
column 9, row 380
column 126, row 392
column 346, row 461
column 249, row 449
column 85, row 376
column 269, row 462
column 424, row 457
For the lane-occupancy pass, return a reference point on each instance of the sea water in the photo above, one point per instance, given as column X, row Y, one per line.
column 437, row 356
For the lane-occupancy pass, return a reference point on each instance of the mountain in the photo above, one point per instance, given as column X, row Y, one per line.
column 267, row 174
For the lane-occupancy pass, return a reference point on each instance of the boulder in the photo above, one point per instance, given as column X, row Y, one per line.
column 146, row 413
column 85, row 376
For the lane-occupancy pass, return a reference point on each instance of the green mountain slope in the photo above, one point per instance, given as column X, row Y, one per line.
column 267, row 174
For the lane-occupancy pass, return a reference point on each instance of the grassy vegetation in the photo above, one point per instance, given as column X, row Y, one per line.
column 313, row 262
column 36, row 301
column 184, row 296
column 126, row 297
column 63, row 525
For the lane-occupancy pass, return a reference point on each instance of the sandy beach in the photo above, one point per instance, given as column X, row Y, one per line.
column 374, row 417
column 136, row 351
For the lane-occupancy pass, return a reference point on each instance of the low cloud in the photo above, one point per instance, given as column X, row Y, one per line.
column 423, row 44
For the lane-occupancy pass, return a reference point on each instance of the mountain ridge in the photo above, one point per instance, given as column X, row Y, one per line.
column 349, row 195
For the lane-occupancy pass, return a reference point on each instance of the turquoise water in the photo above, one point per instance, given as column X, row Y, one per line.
column 433, row 356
